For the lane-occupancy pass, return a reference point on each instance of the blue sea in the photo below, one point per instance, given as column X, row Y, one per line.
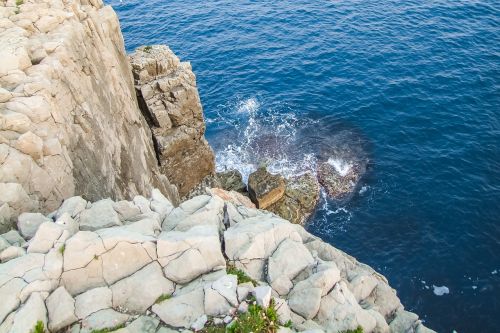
column 412, row 87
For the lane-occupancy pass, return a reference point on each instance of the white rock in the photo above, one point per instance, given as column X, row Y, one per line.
column 82, row 279
column 102, row 319
column 92, row 301
column 100, row 215
column 404, row 321
column 215, row 304
column 73, row 206
column 123, row 260
column 139, row 291
column 160, row 204
column 187, row 255
column 199, row 323
column 38, row 285
column 262, row 295
column 226, row 287
column 11, row 252
column 143, row 204
column 182, row 310
column 243, row 290
column 143, row 324
column 10, row 296
column 68, row 223
column 5, row 224
column 283, row 310
column 30, row 144
column 45, row 238
column 29, row 314
column 14, row 238
column 81, row 249
column 61, row 308
column 362, row 286
column 28, row 223
column 126, row 210
column 289, row 259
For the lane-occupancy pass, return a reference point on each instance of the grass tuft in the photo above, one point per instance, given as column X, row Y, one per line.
column 62, row 248
column 257, row 319
column 19, row 2
column 39, row 327
column 148, row 48
column 162, row 298
column 242, row 276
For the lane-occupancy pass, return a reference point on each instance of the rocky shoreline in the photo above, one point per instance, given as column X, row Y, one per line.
column 112, row 217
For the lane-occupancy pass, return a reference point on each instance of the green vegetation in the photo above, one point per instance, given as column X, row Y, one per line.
column 62, row 248
column 162, row 298
column 39, row 327
column 257, row 319
column 359, row 329
column 96, row 257
column 148, row 48
column 242, row 276
column 19, row 2
column 107, row 330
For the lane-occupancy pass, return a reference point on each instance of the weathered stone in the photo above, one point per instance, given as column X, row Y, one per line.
column 123, row 260
column 30, row 144
column 167, row 93
column 79, row 280
column 339, row 178
column 11, row 252
column 29, row 314
column 300, row 199
column 126, row 210
column 265, row 188
column 186, row 255
column 92, row 301
column 107, row 318
column 287, row 261
column 182, row 310
column 160, row 204
column 61, row 308
column 17, row 199
column 362, row 286
column 73, row 206
column 10, row 295
column 220, row 296
column 143, row 324
column 5, row 214
column 28, row 223
column 262, row 295
column 100, row 215
column 139, row 291
column 45, row 238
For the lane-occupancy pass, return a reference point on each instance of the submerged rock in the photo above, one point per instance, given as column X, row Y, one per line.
column 339, row 178
column 265, row 188
column 300, row 199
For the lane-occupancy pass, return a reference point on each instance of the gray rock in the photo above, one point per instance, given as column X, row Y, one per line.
column 140, row 290
column 92, row 301
column 181, row 311
column 5, row 215
column 61, row 308
column 11, row 252
column 28, row 223
column 14, row 238
column 100, row 215
column 126, row 209
column 72, row 206
column 45, row 238
column 102, row 319
column 29, row 314
column 10, row 296
column 262, row 295
column 199, row 323
column 143, row 324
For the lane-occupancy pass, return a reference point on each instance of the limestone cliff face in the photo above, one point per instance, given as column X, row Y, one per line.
column 169, row 100
column 69, row 117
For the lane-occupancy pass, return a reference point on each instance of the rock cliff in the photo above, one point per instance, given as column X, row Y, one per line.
column 145, row 266
column 69, row 116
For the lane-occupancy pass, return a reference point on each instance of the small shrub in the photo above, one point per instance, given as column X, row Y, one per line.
column 108, row 330
column 62, row 248
column 162, row 298
column 148, row 48
column 242, row 276
column 256, row 319
column 96, row 257
column 19, row 2
column 39, row 327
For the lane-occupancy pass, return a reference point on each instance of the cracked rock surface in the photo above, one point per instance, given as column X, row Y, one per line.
column 164, row 269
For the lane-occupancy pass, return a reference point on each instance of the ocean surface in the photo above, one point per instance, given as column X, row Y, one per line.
column 412, row 87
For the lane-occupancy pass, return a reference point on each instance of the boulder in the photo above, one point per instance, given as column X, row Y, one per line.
column 183, row 310
column 143, row 324
column 45, row 238
column 126, row 209
column 123, row 260
column 11, row 252
column 29, row 314
column 300, row 199
column 289, row 259
column 231, row 180
column 339, row 178
column 61, row 308
column 92, row 301
column 10, row 295
column 265, row 188
column 103, row 319
column 100, row 215
column 28, row 223
column 220, row 296
column 5, row 215
column 262, row 295
column 140, row 290
column 169, row 100
column 186, row 255
column 73, row 206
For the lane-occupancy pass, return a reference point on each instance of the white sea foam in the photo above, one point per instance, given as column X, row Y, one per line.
column 341, row 166
column 440, row 291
